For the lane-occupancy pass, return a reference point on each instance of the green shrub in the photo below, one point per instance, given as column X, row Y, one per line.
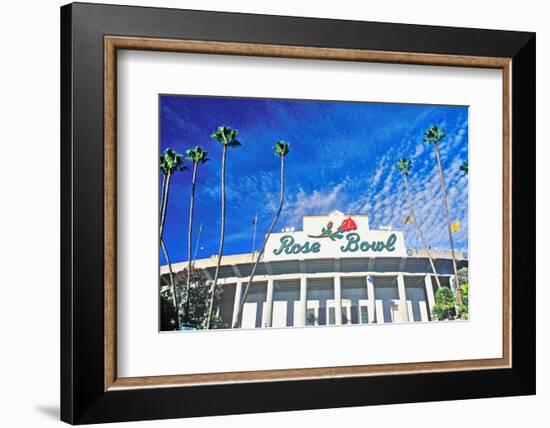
column 463, row 281
column 463, row 307
column 199, row 300
column 444, row 307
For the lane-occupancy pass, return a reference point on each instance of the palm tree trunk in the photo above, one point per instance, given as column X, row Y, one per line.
column 189, row 246
column 238, row 319
column 446, row 206
column 420, row 234
column 172, row 284
column 161, row 202
column 163, row 205
column 220, row 251
column 164, row 200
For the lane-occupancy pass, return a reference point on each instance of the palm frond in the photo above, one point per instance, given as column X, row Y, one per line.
column 197, row 155
column 226, row 136
column 234, row 143
column 404, row 165
column 171, row 161
column 281, row 148
column 434, row 134
column 464, row 167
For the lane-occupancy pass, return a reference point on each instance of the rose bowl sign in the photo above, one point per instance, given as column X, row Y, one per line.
column 333, row 236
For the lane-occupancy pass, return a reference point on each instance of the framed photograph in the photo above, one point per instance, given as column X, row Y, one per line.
column 266, row 213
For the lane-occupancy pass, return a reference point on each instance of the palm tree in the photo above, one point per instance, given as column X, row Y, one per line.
column 170, row 162
column 280, row 149
column 196, row 156
column 227, row 137
column 464, row 167
column 404, row 166
column 434, row 135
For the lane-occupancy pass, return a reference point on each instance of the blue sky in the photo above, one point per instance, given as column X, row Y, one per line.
column 342, row 156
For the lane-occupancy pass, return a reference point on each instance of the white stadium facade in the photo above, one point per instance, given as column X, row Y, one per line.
column 336, row 271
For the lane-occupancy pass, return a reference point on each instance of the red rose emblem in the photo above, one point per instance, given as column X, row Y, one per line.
column 348, row 224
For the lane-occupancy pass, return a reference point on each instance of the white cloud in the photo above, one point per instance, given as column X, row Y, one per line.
column 258, row 189
column 316, row 202
column 389, row 205
column 419, row 150
column 377, row 176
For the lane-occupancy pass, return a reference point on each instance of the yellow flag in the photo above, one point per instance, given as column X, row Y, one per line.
column 455, row 226
column 408, row 219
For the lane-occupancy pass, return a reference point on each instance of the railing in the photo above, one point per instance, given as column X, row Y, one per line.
column 436, row 253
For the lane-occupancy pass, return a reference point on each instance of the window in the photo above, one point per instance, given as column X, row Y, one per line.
column 345, row 317
column 311, row 318
column 312, row 312
column 346, row 311
column 363, row 311
column 331, row 316
column 363, row 315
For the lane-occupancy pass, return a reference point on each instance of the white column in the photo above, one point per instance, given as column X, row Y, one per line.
column 301, row 315
column 429, row 293
column 269, row 303
column 237, row 300
column 338, row 300
column 370, row 296
column 402, row 298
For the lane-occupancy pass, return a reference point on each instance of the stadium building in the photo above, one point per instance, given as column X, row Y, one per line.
column 336, row 271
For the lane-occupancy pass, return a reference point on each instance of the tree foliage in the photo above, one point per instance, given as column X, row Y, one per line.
column 444, row 308
column 199, row 293
column 446, row 303
column 463, row 307
column 463, row 281
column 197, row 155
column 464, row 167
column 226, row 136
column 281, row 148
column 404, row 165
column 170, row 161
column 434, row 134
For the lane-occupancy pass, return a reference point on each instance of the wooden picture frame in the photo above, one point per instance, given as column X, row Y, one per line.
column 91, row 390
